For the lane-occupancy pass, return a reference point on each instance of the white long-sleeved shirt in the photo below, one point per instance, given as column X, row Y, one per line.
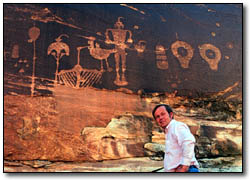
column 179, row 146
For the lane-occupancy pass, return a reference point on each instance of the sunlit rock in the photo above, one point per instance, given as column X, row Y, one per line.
column 123, row 137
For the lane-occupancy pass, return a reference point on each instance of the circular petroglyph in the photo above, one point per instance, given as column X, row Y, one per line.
column 211, row 54
column 184, row 58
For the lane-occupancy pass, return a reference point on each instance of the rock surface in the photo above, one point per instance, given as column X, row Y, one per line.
column 31, row 131
column 123, row 137
column 142, row 164
column 36, row 133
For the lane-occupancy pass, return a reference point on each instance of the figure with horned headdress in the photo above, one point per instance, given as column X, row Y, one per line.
column 120, row 41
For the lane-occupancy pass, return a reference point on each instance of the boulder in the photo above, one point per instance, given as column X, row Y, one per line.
column 123, row 137
column 155, row 151
column 158, row 137
column 221, row 164
column 217, row 141
column 154, row 147
column 129, row 126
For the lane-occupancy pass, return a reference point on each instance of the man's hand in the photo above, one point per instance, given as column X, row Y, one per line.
column 182, row 168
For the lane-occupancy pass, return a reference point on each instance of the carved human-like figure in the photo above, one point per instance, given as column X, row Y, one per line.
column 120, row 41
column 58, row 49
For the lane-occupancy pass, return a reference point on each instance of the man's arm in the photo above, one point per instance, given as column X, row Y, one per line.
column 187, row 142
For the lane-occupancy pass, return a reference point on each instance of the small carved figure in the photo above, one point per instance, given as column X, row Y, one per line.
column 34, row 33
column 15, row 51
column 98, row 53
column 58, row 49
column 140, row 47
column 161, row 57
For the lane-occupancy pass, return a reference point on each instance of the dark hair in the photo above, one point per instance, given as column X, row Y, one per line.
column 167, row 107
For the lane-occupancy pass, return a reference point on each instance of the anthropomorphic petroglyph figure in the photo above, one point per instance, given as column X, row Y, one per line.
column 58, row 49
column 120, row 41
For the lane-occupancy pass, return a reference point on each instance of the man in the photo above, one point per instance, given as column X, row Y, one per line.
column 179, row 150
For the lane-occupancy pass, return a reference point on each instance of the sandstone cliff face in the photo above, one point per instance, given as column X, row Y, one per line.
column 38, row 132
column 80, row 82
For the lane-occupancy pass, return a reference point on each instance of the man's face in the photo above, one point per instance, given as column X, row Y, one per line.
column 162, row 117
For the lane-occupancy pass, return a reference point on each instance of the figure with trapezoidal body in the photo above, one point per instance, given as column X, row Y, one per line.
column 120, row 41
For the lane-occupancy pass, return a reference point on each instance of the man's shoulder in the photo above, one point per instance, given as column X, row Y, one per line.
column 180, row 127
column 178, row 123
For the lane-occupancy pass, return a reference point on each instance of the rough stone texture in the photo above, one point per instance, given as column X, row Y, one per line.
column 90, row 107
column 123, row 137
column 36, row 132
column 139, row 164
column 155, row 151
column 221, row 164
column 154, row 147
column 142, row 164
column 158, row 137
column 219, row 141
column 129, row 126
column 31, row 132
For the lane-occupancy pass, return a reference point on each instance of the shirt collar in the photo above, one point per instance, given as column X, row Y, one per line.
column 171, row 122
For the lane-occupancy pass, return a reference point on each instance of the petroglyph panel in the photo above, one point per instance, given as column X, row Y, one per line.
column 138, row 48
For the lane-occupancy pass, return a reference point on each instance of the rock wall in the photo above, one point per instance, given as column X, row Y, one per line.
column 114, row 46
column 38, row 131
